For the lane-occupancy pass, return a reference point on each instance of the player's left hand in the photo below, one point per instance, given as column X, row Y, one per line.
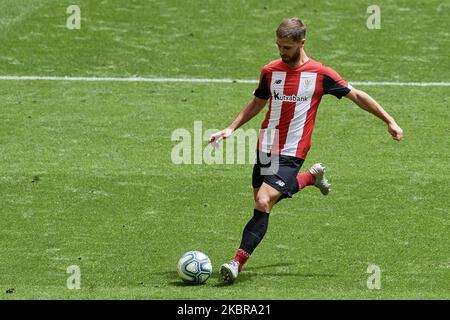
column 395, row 131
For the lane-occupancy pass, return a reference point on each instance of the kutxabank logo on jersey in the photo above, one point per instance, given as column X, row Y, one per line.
column 282, row 97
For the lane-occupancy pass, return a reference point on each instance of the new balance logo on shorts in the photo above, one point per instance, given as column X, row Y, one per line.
column 280, row 183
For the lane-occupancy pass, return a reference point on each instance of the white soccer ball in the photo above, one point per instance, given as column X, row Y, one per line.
column 194, row 267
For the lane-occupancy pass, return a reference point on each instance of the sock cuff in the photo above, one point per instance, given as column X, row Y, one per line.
column 242, row 253
column 256, row 212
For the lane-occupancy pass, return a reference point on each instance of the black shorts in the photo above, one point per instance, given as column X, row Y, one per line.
column 278, row 171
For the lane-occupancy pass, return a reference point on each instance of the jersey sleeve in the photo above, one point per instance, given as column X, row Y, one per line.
column 334, row 84
column 262, row 91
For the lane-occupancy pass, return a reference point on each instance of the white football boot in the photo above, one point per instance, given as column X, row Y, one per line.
column 229, row 271
column 318, row 170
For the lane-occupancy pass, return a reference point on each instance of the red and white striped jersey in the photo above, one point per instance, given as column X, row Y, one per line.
column 294, row 94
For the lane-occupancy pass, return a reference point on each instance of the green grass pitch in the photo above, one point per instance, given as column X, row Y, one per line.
column 86, row 176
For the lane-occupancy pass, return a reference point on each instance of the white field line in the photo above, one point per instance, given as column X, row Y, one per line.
column 205, row 80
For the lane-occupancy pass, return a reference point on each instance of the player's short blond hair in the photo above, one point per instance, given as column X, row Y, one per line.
column 292, row 28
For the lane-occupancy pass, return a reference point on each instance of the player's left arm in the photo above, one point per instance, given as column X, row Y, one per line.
column 366, row 102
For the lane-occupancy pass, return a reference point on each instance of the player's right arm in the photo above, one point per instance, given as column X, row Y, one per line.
column 252, row 109
column 261, row 95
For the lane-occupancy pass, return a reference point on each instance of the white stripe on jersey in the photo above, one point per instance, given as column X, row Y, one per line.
column 305, row 89
column 277, row 84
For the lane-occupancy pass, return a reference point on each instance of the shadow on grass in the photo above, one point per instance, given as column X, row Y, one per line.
column 174, row 280
column 273, row 265
column 260, row 271
column 253, row 271
column 181, row 283
column 248, row 274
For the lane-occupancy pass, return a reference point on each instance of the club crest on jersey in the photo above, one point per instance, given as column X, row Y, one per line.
column 293, row 98
column 307, row 83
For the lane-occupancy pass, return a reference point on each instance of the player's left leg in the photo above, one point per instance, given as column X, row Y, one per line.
column 315, row 176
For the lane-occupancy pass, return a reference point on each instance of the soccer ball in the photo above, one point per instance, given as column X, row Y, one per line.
column 194, row 267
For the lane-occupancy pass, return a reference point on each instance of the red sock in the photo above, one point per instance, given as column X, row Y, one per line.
column 241, row 257
column 305, row 179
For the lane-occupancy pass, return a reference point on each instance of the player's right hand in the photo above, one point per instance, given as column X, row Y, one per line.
column 215, row 138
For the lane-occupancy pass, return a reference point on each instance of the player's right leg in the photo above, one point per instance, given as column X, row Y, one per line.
column 271, row 181
column 265, row 198
column 255, row 193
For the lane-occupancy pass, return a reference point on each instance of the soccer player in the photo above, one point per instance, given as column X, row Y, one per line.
column 294, row 86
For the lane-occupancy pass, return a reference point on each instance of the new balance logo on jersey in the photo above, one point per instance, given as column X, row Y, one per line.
column 278, row 96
